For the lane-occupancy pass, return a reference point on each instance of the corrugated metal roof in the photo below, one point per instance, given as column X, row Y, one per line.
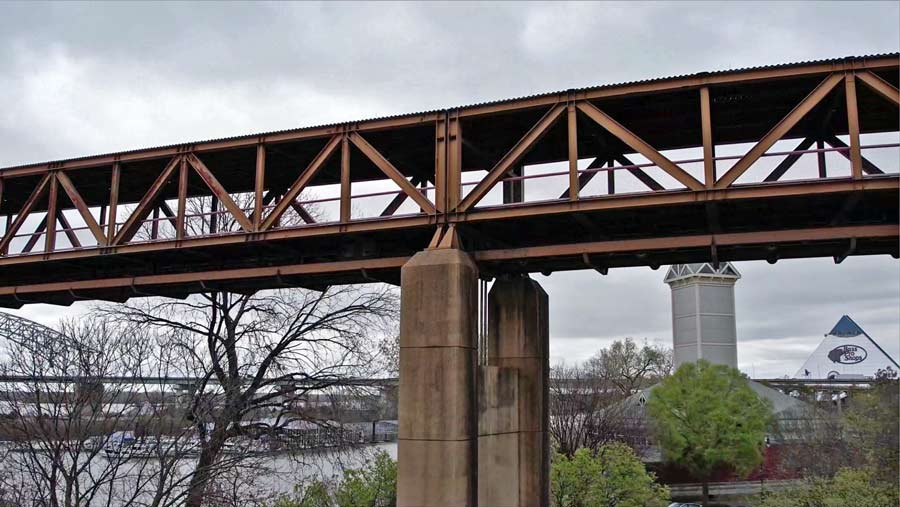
column 481, row 104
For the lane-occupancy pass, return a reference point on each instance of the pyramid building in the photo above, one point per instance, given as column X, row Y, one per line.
column 846, row 352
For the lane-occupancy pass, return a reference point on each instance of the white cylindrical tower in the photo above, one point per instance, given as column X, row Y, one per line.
column 703, row 318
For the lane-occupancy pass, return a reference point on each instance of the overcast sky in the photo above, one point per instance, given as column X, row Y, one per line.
column 78, row 79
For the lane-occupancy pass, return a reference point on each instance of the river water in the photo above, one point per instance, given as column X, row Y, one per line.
column 259, row 476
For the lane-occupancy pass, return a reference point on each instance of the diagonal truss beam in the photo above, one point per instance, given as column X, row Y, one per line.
column 512, row 157
column 585, row 177
column 300, row 183
column 639, row 145
column 219, row 191
column 391, row 172
column 641, row 175
column 29, row 204
column 146, row 204
column 867, row 166
column 880, row 86
column 67, row 229
column 274, row 192
column 790, row 160
column 779, row 130
column 41, row 229
column 35, row 236
column 83, row 210
column 398, row 200
column 169, row 213
column 302, row 212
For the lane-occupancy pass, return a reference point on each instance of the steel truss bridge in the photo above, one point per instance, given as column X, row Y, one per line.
column 672, row 170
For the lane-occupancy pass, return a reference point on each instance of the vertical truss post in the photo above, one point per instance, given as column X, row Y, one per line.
column 113, row 202
column 454, row 161
column 709, row 149
column 214, row 215
column 52, row 208
column 820, row 157
column 345, row 179
column 4, row 249
column 6, row 227
column 572, row 121
column 853, row 125
column 514, row 191
column 610, row 178
column 154, row 226
column 424, row 186
column 440, row 164
column 259, row 185
column 182, row 198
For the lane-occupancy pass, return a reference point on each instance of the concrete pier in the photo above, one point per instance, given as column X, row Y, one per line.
column 513, row 437
column 437, row 434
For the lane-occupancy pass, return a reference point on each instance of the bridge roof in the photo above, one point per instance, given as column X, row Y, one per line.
column 610, row 86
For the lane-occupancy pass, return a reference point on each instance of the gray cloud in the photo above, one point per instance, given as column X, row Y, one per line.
column 95, row 77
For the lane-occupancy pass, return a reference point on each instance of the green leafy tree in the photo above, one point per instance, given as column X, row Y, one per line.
column 872, row 420
column 611, row 477
column 706, row 416
column 373, row 485
column 315, row 494
column 848, row 488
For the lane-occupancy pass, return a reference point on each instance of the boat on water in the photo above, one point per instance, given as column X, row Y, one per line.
column 125, row 445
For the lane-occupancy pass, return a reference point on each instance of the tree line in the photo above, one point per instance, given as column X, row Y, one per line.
column 607, row 413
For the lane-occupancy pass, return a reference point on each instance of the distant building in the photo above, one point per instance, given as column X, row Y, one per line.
column 703, row 318
column 846, row 352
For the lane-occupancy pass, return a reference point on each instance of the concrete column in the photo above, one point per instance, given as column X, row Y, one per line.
column 437, row 433
column 513, row 437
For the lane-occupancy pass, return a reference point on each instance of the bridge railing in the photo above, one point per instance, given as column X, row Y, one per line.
column 549, row 183
column 604, row 180
column 600, row 179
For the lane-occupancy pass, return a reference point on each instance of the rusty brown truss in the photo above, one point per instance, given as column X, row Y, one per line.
column 247, row 213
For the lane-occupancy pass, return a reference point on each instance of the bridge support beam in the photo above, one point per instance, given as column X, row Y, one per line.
column 513, row 437
column 437, row 433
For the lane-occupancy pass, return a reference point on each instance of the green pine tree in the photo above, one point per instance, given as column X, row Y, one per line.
column 706, row 416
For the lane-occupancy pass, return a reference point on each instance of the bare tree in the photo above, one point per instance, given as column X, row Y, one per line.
column 630, row 367
column 257, row 354
column 258, row 357
column 583, row 411
column 61, row 431
column 813, row 444
column 589, row 402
